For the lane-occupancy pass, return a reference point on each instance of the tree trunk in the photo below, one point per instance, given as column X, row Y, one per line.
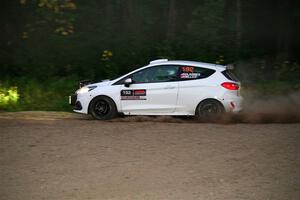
column 171, row 20
column 238, row 27
column 284, row 29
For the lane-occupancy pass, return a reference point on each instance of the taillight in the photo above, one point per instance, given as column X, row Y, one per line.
column 230, row 86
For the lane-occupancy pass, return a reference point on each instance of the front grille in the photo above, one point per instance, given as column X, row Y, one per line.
column 73, row 99
column 78, row 106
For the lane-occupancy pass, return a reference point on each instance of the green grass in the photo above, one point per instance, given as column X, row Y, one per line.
column 48, row 95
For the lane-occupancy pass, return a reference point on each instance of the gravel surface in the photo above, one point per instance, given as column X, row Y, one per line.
column 61, row 158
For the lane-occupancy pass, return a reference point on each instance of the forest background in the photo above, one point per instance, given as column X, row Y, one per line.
column 48, row 46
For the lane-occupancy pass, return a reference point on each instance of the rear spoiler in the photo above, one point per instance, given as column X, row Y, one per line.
column 230, row 66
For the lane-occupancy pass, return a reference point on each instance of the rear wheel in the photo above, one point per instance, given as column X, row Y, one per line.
column 209, row 109
column 103, row 108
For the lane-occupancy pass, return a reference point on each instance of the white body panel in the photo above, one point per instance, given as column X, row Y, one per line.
column 166, row 98
column 160, row 98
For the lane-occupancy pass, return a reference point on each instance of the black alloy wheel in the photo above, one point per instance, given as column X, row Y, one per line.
column 209, row 109
column 103, row 108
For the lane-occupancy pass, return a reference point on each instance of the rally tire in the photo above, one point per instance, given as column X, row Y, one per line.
column 103, row 108
column 209, row 109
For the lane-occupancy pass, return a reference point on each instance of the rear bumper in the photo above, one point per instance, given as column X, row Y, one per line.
column 233, row 104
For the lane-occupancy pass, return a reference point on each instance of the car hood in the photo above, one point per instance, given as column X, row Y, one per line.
column 101, row 84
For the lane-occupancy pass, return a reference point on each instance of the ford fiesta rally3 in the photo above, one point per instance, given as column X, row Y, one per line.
column 163, row 88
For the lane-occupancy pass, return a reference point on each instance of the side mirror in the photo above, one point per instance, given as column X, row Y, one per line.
column 128, row 82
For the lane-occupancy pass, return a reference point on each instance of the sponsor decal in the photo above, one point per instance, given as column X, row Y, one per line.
column 139, row 92
column 133, row 94
column 189, row 75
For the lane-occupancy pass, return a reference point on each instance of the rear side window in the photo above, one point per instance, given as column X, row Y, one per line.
column 229, row 75
column 191, row 73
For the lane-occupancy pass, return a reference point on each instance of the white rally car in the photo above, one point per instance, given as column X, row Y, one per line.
column 163, row 88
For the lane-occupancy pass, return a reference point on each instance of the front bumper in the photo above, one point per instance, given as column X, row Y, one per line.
column 74, row 102
column 72, row 99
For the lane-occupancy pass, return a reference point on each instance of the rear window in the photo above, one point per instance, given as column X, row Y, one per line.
column 190, row 73
column 229, row 75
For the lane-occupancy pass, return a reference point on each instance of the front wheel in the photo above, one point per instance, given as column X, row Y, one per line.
column 209, row 109
column 103, row 108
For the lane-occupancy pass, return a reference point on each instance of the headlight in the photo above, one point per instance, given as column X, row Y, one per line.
column 85, row 89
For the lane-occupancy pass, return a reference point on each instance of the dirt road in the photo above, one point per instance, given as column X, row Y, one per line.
column 86, row 159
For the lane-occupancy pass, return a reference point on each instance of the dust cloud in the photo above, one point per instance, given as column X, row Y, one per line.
column 258, row 108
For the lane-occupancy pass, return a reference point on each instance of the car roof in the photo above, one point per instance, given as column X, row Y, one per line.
column 175, row 62
column 186, row 62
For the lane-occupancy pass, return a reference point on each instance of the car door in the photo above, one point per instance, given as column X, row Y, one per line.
column 154, row 91
column 193, row 87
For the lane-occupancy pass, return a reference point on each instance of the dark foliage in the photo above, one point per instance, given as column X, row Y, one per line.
column 43, row 40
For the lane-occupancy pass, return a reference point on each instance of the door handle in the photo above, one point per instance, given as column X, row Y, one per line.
column 169, row 87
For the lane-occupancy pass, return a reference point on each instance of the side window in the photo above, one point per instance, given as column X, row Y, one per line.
column 191, row 73
column 155, row 74
column 229, row 75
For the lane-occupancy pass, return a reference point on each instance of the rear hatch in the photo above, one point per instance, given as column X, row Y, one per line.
column 232, row 78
